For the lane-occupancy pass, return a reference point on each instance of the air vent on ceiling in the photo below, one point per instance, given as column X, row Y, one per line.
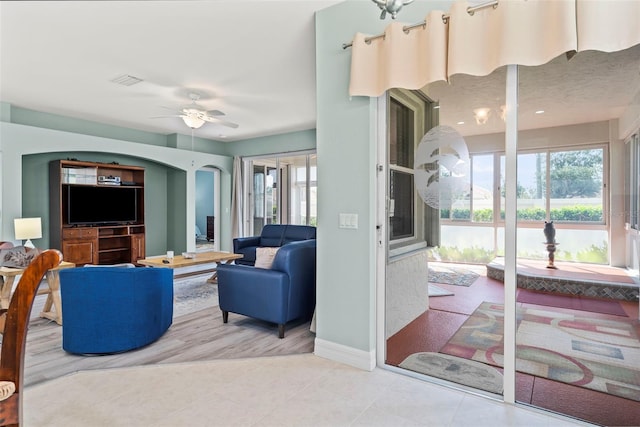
column 126, row 80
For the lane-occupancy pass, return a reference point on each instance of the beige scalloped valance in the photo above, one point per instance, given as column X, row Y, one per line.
column 608, row 26
column 409, row 59
column 523, row 32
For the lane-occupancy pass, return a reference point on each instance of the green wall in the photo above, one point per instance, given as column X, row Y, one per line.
column 35, row 186
column 177, row 215
column 346, row 150
column 294, row 141
column 52, row 121
column 28, row 117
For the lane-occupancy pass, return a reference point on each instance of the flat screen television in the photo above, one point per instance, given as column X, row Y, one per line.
column 96, row 205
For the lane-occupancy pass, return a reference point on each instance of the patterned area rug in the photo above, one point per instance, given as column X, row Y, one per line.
column 598, row 354
column 451, row 275
column 193, row 293
column 456, row 369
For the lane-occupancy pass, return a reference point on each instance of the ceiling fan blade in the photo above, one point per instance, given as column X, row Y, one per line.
column 222, row 122
column 229, row 124
column 164, row 117
column 214, row 113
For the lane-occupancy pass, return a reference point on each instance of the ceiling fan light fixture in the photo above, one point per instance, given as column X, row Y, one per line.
column 193, row 122
column 481, row 115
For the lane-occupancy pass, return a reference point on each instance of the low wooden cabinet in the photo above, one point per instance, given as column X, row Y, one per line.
column 97, row 212
column 137, row 247
column 80, row 245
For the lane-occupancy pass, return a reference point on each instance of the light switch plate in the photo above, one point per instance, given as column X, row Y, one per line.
column 348, row 220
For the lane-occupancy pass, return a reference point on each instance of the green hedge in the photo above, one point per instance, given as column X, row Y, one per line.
column 577, row 213
column 567, row 214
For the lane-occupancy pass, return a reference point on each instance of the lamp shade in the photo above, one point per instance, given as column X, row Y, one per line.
column 28, row 228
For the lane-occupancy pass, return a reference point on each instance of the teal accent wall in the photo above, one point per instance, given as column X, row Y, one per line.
column 13, row 114
column 283, row 143
column 5, row 112
column 346, row 148
column 35, row 193
column 176, row 210
column 52, row 121
column 205, row 190
column 23, row 158
column 201, row 145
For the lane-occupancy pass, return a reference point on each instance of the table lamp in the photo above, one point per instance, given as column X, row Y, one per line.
column 28, row 228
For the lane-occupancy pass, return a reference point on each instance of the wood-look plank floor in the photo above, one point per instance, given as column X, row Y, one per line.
column 196, row 336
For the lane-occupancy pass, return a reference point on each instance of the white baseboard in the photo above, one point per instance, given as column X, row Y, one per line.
column 348, row 355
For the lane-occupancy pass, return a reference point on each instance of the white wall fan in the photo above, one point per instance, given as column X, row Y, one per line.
column 195, row 115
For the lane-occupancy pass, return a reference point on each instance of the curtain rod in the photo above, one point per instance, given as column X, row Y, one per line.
column 423, row 24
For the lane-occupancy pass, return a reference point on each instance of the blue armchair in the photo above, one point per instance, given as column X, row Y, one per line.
column 114, row 309
column 285, row 292
column 272, row 235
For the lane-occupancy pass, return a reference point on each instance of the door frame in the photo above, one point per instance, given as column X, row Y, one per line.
column 378, row 118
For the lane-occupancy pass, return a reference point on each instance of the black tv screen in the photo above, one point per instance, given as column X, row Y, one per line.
column 101, row 205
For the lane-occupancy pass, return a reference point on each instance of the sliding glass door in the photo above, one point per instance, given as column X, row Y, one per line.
column 282, row 190
column 533, row 282
column 264, row 200
column 577, row 338
column 303, row 190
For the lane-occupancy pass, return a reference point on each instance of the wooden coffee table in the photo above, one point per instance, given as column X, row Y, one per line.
column 198, row 259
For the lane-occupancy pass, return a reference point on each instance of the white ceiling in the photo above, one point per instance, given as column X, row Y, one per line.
column 253, row 60
column 591, row 86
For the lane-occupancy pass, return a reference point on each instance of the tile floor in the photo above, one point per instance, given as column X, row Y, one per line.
column 299, row 390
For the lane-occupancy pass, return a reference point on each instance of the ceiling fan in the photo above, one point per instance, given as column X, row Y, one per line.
column 194, row 115
column 391, row 6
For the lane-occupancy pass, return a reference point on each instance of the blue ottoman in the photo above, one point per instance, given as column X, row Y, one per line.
column 114, row 309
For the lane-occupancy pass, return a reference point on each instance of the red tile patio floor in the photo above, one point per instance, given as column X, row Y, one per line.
column 431, row 331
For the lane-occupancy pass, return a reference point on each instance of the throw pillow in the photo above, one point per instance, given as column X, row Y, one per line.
column 17, row 257
column 265, row 256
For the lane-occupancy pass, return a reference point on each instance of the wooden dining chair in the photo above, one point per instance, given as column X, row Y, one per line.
column 14, row 337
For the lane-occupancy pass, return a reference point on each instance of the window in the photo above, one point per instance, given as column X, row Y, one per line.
column 409, row 119
column 531, row 187
column 304, row 186
column 265, row 200
column 482, row 188
column 474, row 200
column 562, row 186
column 401, row 184
column 401, row 211
column 283, row 190
column 576, row 181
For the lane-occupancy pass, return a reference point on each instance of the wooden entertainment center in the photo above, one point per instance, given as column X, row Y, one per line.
column 96, row 211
